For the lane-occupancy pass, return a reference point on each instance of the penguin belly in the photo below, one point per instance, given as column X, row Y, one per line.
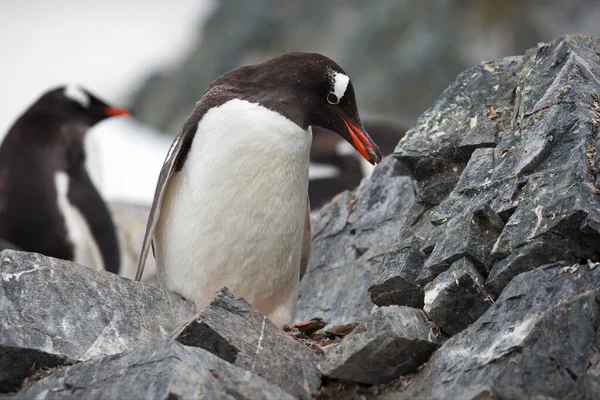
column 234, row 214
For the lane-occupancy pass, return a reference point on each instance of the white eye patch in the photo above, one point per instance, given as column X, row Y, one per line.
column 340, row 83
column 75, row 93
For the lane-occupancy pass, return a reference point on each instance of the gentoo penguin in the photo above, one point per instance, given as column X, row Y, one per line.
column 334, row 164
column 231, row 204
column 48, row 203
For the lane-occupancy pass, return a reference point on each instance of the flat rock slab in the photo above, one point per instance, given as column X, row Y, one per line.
column 234, row 330
column 53, row 312
column 536, row 341
column 165, row 371
column 393, row 341
column 456, row 298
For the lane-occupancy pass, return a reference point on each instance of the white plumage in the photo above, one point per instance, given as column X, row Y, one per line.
column 247, row 165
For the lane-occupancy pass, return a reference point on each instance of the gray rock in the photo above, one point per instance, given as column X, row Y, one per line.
column 538, row 187
column 54, row 312
column 350, row 236
column 395, row 280
column 456, row 298
column 391, row 342
column 525, row 258
column 237, row 332
column 167, row 370
column 535, row 341
column 471, row 234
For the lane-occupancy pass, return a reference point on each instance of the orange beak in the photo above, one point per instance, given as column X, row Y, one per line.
column 363, row 143
column 114, row 111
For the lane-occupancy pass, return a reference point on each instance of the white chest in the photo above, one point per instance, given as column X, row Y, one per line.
column 234, row 215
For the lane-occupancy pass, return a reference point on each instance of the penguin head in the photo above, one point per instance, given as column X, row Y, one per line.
column 333, row 106
column 309, row 89
column 79, row 104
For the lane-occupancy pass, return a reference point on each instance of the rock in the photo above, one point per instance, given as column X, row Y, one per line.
column 166, row 370
column 456, row 298
column 55, row 312
column 535, row 341
column 477, row 232
column 530, row 199
column 235, row 331
column 395, row 280
column 350, row 236
column 391, row 342
column 542, row 251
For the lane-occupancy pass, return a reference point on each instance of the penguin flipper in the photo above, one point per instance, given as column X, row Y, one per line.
column 306, row 241
column 163, row 180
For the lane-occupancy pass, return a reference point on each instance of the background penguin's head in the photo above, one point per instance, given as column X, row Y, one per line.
column 79, row 104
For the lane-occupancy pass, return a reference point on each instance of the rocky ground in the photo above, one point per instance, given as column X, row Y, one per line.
column 465, row 267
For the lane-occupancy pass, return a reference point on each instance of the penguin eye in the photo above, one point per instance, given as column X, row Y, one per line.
column 332, row 98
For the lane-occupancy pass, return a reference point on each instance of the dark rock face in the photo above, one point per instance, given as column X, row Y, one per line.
column 350, row 236
column 167, row 370
column 395, row 281
column 456, row 298
column 540, row 178
column 54, row 312
column 505, row 168
column 392, row 341
column 534, row 341
column 232, row 329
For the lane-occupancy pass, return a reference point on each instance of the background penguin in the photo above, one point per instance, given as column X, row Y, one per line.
column 230, row 208
column 48, row 202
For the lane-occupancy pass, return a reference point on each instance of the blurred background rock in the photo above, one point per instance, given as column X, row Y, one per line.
column 400, row 55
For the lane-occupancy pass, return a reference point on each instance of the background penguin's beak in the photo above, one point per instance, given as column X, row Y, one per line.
column 114, row 111
column 362, row 142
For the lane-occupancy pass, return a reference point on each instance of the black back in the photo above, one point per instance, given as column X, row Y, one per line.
column 46, row 139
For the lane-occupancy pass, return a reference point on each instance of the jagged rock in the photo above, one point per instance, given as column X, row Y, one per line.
column 471, row 234
column 456, row 298
column 535, row 341
column 395, row 280
column 234, row 330
column 538, row 184
column 350, row 236
column 54, row 312
column 165, row 371
column 542, row 251
column 392, row 341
